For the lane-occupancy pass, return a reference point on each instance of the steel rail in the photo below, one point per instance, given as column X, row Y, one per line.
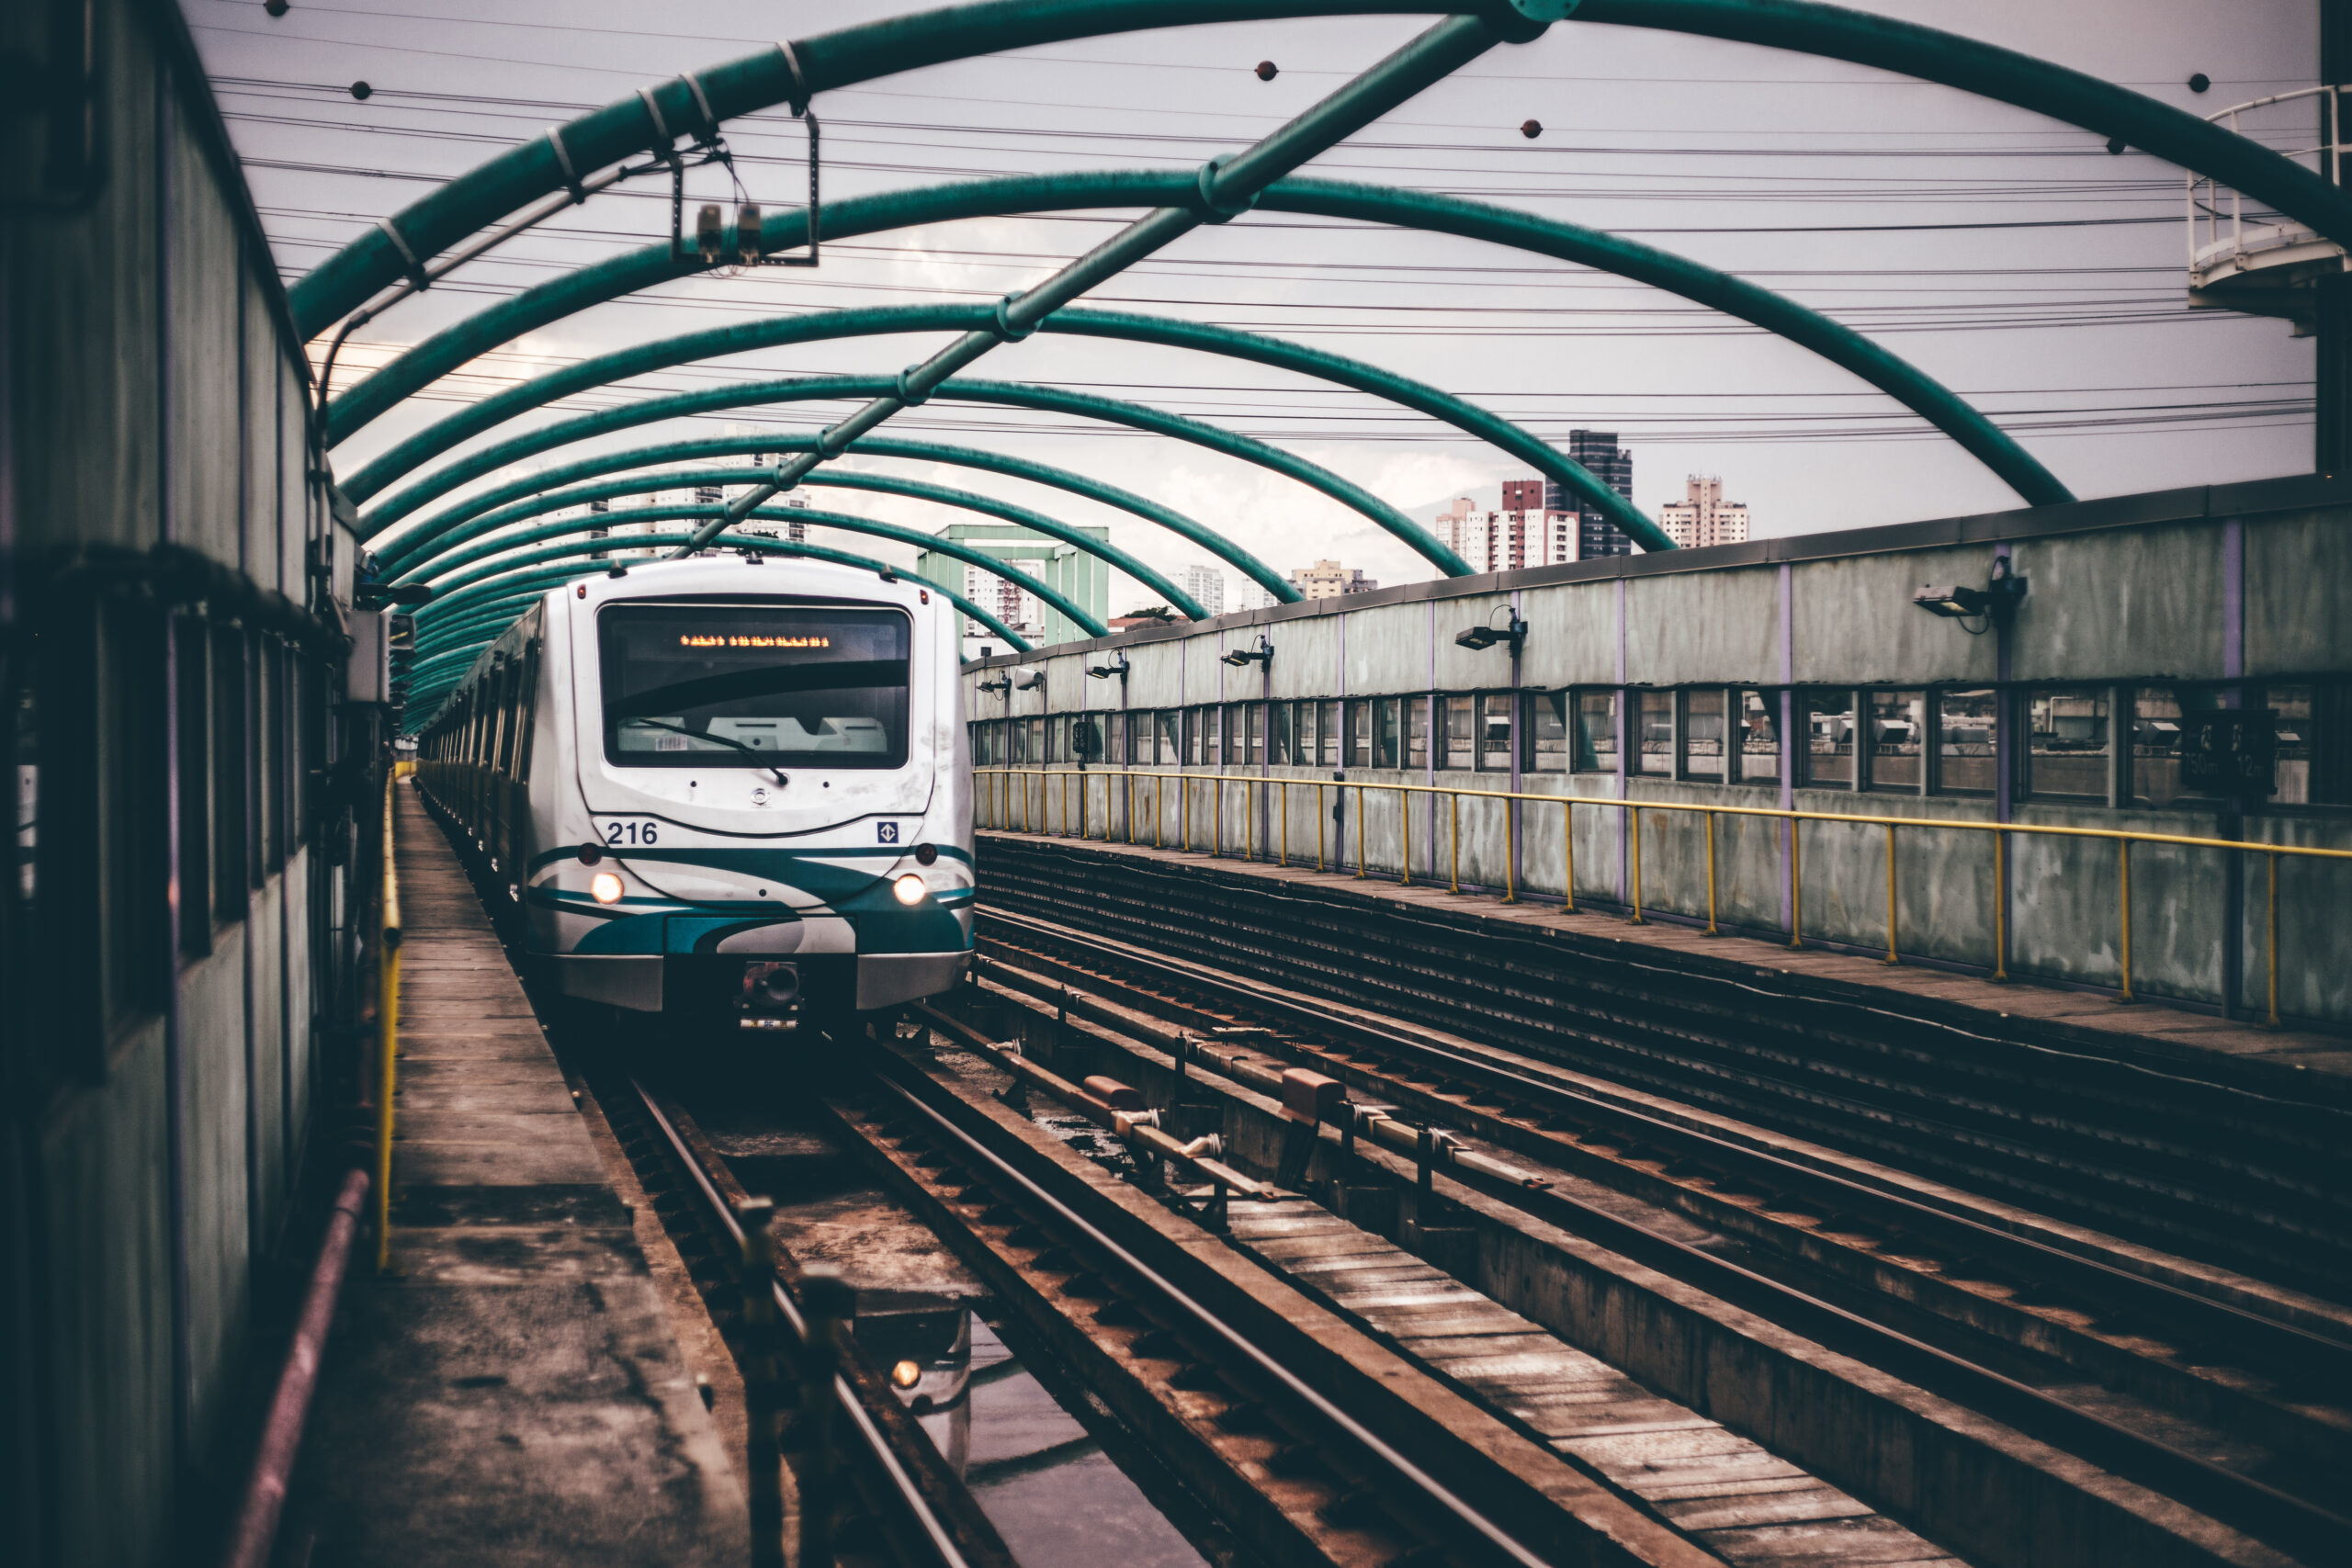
column 851, row 55
column 1426, row 212
column 488, row 461
column 1362, row 1438
column 2295, row 1346
column 468, row 543
column 870, row 1438
column 2261, row 1510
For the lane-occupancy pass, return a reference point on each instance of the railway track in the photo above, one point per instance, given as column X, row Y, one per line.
column 885, row 1492
column 2168, row 1375
column 2218, row 1170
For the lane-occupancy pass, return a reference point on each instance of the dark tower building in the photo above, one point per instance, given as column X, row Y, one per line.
column 1613, row 466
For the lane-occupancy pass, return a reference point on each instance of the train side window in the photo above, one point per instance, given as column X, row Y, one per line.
column 531, row 707
column 126, row 697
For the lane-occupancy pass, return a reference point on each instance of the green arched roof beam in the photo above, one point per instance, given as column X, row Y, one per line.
column 534, row 583
column 478, row 539
column 1085, row 405
column 603, row 281
column 457, row 580
column 492, row 459
column 434, row 674
column 864, row 52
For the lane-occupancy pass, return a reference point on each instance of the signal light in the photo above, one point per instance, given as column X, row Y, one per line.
column 706, row 233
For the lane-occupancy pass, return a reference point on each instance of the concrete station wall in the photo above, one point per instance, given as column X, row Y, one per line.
column 2227, row 587
column 161, row 1085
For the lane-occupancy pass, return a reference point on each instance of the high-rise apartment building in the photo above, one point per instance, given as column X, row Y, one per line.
column 1704, row 517
column 1330, row 580
column 1516, row 536
column 1612, row 465
column 1522, row 495
column 1205, row 586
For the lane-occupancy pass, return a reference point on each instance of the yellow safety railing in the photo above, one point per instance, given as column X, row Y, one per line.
column 387, row 1034
column 1015, row 786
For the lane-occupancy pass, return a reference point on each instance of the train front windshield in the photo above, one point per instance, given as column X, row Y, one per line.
column 753, row 686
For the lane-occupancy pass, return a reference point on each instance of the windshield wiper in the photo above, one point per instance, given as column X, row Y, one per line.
column 752, row 751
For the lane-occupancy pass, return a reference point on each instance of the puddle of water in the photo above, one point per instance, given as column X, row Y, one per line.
column 1051, row 1491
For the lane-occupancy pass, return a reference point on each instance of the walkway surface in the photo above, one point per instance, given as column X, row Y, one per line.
column 511, row 1393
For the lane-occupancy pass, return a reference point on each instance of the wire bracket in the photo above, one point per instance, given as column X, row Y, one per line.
column 563, row 162
column 416, row 273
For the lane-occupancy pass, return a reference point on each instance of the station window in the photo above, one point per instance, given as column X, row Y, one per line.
column 1169, row 729
column 1327, row 734
column 1494, row 733
column 1653, row 733
column 2314, row 729
column 1545, row 726
column 1055, row 729
column 1897, row 741
column 1385, row 739
column 231, row 847
column 1967, row 728
column 191, row 669
column 1461, row 739
column 1416, row 722
column 1257, row 715
column 2068, row 754
column 1281, row 721
column 1826, row 720
column 1195, row 730
column 2156, row 712
column 1360, row 727
column 1594, row 740
column 1760, row 737
column 1086, row 739
column 1034, row 729
column 1703, row 733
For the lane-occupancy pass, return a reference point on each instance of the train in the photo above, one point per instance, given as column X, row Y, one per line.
column 731, row 790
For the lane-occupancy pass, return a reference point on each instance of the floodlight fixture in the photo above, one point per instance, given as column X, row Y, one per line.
column 1489, row 635
column 1036, row 679
column 1242, row 658
column 1997, row 602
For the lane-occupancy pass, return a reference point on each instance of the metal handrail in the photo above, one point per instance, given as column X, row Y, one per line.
column 2123, row 838
column 387, row 1033
column 2205, row 208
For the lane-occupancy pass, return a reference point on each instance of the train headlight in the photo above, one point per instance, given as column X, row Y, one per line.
column 604, row 887
column 906, row 1374
column 909, row 889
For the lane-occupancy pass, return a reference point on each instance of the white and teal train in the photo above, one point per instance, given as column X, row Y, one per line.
column 723, row 788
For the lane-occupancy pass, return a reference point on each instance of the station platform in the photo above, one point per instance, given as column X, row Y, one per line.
column 2149, row 1033
column 512, row 1391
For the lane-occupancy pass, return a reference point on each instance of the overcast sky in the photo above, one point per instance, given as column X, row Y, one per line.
column 2010, row 256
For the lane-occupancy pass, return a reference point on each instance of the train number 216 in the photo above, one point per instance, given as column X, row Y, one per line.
column 631, row 833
